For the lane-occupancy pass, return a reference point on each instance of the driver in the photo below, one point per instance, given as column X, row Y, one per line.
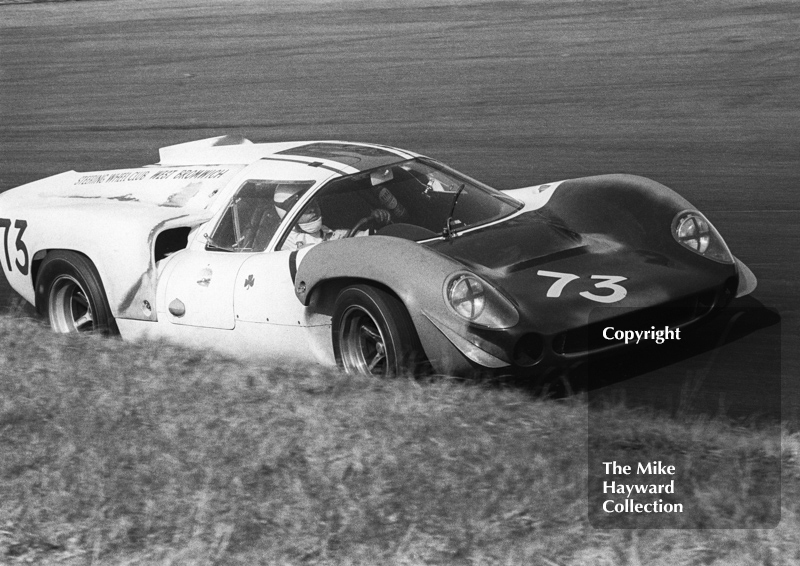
column 309, row 229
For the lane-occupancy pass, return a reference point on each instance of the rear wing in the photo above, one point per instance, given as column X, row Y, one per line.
column 187, row 152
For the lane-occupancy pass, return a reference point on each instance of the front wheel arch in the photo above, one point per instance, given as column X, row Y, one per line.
column 322, row 298
column 373, row 334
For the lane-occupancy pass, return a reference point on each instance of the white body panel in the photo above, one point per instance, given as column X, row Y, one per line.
column 241, row 304
column 202, row 284
column 114, row 217
column 534, row 197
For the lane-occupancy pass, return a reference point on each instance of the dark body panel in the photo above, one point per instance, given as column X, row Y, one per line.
column 652, row 276
column 616, row 225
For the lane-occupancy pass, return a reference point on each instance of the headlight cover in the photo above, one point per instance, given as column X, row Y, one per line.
column 693, row 231
column 476, row 301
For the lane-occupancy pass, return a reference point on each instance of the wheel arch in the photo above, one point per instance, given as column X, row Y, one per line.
column 413, row 273
column 401, row 349
column 322, row 298
column 73, row 274
column 36, row 263
column 323, row 301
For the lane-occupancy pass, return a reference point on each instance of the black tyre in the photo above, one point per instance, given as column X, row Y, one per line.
column 70, row 294
column 373, row 333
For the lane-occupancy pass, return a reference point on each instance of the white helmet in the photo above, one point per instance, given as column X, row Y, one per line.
column 286, row 196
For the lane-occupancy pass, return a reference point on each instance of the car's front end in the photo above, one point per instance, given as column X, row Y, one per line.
column 549, row 287
column 524, row 280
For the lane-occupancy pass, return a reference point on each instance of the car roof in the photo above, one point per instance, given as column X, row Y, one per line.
column 345, row 157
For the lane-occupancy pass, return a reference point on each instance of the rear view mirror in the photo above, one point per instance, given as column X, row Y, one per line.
column 380, row 176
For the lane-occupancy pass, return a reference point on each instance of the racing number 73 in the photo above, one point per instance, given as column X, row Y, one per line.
column 607, row 282
column 20, row 225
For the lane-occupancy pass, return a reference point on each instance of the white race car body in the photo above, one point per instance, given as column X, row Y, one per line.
column 116, row 217
column 153, row 235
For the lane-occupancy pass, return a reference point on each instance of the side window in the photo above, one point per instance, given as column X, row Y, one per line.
column 251, row 219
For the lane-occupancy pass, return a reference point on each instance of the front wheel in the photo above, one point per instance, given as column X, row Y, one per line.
column 70, row 294
column 373, row 334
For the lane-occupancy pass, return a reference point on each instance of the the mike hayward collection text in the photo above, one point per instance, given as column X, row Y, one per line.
column 629, row 504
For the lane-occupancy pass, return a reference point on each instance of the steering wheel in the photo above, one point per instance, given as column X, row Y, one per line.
column 377, row 215
column 358, row 225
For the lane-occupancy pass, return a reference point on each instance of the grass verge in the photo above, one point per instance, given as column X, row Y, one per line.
column 147, row 453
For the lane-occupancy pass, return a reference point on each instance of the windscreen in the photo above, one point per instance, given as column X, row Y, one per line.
column 424, row 199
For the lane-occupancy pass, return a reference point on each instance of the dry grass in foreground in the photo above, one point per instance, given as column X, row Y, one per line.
column 120, row 453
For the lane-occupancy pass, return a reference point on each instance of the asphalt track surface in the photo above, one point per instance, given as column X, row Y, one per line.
column 701, row 96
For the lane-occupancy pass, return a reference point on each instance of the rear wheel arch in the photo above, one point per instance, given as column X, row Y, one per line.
column 36, row 263
column 69, row 291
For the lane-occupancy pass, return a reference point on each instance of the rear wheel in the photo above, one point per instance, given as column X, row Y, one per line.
column 70, row 294
column 373, row 333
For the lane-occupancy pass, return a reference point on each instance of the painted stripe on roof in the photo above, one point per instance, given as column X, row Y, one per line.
column 359, row 157
column 405, row 154
column 340, row 171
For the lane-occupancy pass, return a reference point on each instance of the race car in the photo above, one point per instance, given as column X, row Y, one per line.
column 376, row 259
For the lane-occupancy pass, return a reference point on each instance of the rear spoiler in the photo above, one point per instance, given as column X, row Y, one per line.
column 184, row 152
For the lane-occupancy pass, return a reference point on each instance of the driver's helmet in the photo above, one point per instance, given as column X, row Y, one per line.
column 286, row 196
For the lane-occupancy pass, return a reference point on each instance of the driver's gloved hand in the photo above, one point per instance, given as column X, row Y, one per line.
column 381, row 216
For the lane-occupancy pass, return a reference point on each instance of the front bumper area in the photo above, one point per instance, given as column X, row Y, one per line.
column 523, row 349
